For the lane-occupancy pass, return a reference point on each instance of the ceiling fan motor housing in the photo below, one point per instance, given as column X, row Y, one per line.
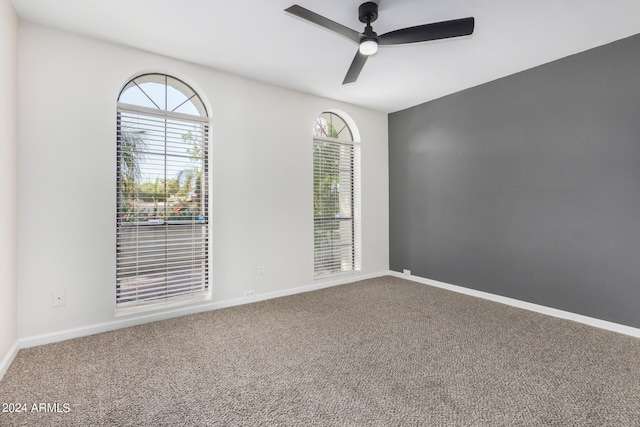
column 368, row 12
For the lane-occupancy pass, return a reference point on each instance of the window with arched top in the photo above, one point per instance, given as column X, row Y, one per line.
column 162, row 224
column 336, row 197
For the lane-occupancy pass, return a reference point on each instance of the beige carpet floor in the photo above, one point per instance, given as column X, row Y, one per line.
column 382, row 352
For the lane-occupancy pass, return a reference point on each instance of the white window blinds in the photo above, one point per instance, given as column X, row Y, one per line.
column 162, row 207
column 336, row 202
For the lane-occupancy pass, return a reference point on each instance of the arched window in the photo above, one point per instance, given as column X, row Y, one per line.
column 162, row 191
column 336, row 197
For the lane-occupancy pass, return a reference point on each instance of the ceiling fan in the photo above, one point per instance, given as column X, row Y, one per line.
column 369, row 40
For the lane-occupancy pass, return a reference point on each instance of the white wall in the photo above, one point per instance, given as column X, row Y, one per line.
column 8, row 179
column 261, row 171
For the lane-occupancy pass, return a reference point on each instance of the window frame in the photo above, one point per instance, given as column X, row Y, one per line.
column 200, row 227
column 322, row 268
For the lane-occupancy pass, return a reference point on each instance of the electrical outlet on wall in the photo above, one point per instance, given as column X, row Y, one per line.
column 249, row 294
column 407, row 272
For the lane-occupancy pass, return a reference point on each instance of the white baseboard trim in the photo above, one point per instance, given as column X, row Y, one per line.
column 8, row 359
column 142, row 318
column 321, row 284
column 598, row 323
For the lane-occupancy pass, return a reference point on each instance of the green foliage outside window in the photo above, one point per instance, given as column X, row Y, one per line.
column 172, row 199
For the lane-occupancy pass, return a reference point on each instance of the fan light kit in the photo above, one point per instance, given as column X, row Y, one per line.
column 369, row 41
column 368, row 47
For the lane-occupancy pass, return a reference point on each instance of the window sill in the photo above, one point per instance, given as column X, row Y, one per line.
column 334, row 275
column 162, row 305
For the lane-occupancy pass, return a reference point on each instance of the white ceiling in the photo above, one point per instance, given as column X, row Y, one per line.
column 256, row 39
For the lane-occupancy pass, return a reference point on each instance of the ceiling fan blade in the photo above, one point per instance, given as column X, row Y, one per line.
column 423, row 33
column 313, row 17
column 355, row 68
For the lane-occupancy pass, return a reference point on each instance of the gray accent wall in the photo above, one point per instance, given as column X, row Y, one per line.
column 527, row 186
